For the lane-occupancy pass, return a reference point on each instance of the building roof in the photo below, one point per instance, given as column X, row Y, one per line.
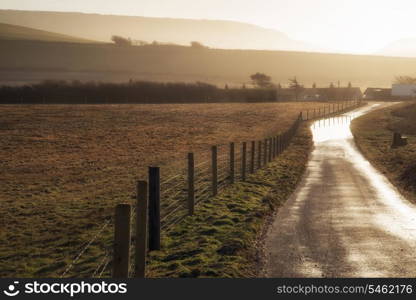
column 323, row 93
column 378, row 92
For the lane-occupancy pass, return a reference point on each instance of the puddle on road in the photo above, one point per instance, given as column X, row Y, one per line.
column 337, row 128
column 333, row 138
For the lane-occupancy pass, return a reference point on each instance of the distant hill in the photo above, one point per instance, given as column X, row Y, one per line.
column 216, row 34
column 15, row 32
column 403, row 47
column 31, row 61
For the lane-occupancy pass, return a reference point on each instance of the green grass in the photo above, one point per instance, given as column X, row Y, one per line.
column 63, row 169
column 222, row 238
column 374, row 133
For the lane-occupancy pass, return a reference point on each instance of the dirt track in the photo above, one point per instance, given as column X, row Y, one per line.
column 345, row 219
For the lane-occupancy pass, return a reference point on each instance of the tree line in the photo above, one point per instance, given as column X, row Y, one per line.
column 76, row 92
column 126, row 42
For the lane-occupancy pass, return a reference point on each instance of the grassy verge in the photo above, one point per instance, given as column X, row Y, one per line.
column 373, row 134
column 221, row 239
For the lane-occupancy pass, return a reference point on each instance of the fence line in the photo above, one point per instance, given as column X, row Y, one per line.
column 221, row 171
column 167, row 202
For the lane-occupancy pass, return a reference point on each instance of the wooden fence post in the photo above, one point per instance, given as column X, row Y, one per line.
column 274, row 147
column 191, row 184
column 214, row 168
column 270, row 149
column 285, row 140
column 265, row 153
column 307, row 114
column 277, row 145
column 253, row 155
column 121, row 258
column 243, row 162
column 284, row 136
column 141, row 230
column 154, row 208
column 232, row 161
column 259, row 156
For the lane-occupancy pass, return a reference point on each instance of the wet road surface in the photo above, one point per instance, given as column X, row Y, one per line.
column 345, row 219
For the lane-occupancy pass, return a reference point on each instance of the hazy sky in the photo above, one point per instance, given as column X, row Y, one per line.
column 357, row 26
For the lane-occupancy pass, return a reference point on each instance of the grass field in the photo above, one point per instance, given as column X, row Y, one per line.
column 224, row 238
column 374, row 134
column 63, row 168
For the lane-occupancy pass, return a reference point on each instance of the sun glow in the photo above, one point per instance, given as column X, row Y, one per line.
column 347, row 26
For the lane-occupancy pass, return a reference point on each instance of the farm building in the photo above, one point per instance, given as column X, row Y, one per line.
column 377, row 93
column 404, row 90
column 321, row 94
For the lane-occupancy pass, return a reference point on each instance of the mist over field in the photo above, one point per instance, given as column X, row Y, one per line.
column 28, row 56
column 31, row 61
column 213, row 33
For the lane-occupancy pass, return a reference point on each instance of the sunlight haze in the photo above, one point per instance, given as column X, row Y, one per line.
column 351, row 26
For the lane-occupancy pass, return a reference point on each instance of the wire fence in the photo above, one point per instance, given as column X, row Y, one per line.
column 170, row 199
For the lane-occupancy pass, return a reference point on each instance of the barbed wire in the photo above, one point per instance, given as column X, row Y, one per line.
column 102, row 262
column 172, row 212
column 104, row 267
column 89, row 243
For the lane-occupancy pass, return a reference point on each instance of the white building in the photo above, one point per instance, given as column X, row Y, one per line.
column 403, row 90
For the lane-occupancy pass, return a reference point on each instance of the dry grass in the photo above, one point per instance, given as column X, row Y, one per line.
column 63, row 168
column 374, row 134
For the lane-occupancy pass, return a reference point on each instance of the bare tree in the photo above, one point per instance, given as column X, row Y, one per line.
column 261, row 80
column 405, row 80
column 296, row 87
